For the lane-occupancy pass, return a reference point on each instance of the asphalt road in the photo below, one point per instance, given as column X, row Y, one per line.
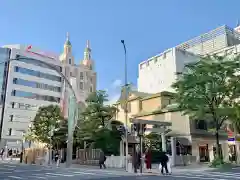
column 24, row 172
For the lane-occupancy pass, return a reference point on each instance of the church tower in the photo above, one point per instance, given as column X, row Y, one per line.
column 87, row 59
column 66, row 57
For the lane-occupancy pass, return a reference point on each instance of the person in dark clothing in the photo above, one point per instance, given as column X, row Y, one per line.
column 136, row 160
column 164, row 160
column 102, row 160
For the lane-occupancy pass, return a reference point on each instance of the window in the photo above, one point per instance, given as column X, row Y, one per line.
column 129, row 107
column 140, row 105
column 30, row 95
column 164, row 55
column 9, row 132
column 81, row 85
column 91, row 89
column 37, row 63
column 91, row 79
column 37, row 74
column 11, row 118
column 13, row 104
column 69, row 61
column 81, row 75
column 201, row 124
column 36, row 85
column 71, row 74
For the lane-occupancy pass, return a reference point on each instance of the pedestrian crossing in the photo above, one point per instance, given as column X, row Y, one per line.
column 10, row 173
column 207, row 175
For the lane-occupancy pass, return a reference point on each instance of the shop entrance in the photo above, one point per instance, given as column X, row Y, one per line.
column 204, row 153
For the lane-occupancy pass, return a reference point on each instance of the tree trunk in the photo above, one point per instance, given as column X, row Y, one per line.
column 218, row 147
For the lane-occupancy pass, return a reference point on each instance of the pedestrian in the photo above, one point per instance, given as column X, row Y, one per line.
column 164, row 163
column 10, row 153
column 148, row 159
column 102, row 160
column 57, row 158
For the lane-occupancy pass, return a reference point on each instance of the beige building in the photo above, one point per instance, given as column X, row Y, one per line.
column 82, row 76
column 194, row 135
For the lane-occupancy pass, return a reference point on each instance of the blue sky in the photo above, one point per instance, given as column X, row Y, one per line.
column 147, row 26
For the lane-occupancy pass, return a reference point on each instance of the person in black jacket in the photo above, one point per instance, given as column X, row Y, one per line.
column 102, row 160
column 164, row 160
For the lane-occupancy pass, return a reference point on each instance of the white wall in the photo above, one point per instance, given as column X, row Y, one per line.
column 159, row 73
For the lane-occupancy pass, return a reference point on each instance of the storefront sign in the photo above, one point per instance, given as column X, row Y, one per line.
column 231, row 139
column 42, row 54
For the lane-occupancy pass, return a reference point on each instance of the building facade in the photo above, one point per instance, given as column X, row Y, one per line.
column 82, row 76
column 194, row 136
column 159, row 72
column 30, row 83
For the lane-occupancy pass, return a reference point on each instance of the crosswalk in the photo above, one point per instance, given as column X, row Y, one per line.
column 207, row 175
column 11, row 173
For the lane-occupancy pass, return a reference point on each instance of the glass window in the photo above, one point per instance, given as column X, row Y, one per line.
column 37, row 63
column 69, row 61
column 24, row 106
column 37, row 74
column 36, row 85
column 81, row 75
column 11, row 118
column 81, row 85
column 9, row 132
column 30, row 95
column 91, row 89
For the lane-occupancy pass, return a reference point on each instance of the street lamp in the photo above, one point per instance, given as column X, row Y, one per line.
column 22, row 148
column 125, row 105
column 72, row 107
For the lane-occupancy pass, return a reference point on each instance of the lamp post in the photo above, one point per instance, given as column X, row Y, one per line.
column 22, row 148
column 71, row 119
column 125, row 102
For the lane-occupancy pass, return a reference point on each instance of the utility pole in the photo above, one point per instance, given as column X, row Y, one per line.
column 125, row 102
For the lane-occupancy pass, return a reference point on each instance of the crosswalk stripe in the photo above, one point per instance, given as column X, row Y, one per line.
column 192, row 177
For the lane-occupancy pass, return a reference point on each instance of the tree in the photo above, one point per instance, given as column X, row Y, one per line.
column 207, row 89
column 94, row 120
column 48, row 119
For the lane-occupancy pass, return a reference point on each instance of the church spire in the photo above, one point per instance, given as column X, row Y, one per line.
column 237, row 23
column 87, row 52
column 67, row 42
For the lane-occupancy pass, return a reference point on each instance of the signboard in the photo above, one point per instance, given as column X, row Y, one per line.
column 42, row 54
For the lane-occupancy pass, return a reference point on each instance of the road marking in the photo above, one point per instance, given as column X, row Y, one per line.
column 57, row 174
column 15, row 177
column 84, row 173
column 38, row 177
column 188, row 177
column 9, row 166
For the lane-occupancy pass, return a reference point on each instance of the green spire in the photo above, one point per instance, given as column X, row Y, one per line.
column 67, row 42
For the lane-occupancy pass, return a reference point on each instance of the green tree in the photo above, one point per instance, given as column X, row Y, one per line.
column 92, row 125
column 206, row 90
column 48, row 118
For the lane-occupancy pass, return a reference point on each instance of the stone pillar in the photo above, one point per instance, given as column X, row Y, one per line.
column 238, row 152
column 173, row 148
column 121, row 148
column 225, row 150
column 211, row 153
column 164, row 146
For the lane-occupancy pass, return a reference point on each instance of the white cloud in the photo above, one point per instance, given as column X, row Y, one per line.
column 113, row 99
column 117, row 83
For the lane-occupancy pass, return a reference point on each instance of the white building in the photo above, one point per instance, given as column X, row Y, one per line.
column 31, row 84
column 158, row 73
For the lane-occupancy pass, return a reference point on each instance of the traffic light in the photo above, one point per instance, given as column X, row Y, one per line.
column 144, row 127
column 136, row 127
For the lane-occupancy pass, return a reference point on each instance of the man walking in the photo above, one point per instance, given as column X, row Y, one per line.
column 102, row 160
column 164, row 160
